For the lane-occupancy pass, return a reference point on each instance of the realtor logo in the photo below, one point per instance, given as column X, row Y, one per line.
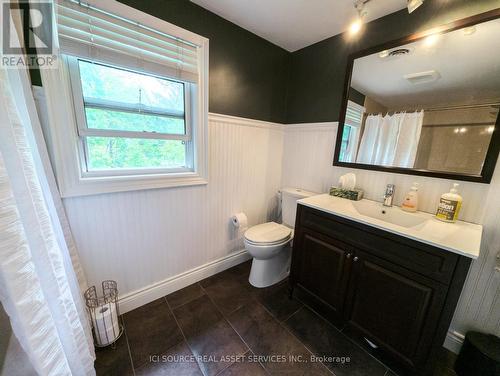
column 27, row 34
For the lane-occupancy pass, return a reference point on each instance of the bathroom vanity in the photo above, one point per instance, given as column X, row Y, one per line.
column 390, row 279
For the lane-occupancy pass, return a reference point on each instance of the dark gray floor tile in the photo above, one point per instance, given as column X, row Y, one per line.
column 151, row 330
column 445, row 362
column 277, row 301
column 184, row 295
column 443, row 370
column 278, row 350
column 210, row 337
column 243, row 269
column 229, row 295
column 244, row 368
column 216, row 346
column 113, row 361
column 326, row 341
column 238, row 273
column 177, row 361
column 196, row 315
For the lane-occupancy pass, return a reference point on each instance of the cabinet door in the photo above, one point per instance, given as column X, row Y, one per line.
column 395, row 309
column 322, row 268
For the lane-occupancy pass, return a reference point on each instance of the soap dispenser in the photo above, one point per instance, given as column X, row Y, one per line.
column 449, row 205
column 410, row 203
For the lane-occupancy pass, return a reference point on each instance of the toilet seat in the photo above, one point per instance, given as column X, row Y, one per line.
column 283, row 242
column 270, row 233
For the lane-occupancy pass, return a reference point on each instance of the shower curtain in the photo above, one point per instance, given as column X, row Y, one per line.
column 368, row 146
column 391, row 140
column 41, row 280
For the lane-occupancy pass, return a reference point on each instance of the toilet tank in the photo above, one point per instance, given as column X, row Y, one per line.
column 289, row 197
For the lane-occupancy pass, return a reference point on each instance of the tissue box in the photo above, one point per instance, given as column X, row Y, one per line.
column 350, row 194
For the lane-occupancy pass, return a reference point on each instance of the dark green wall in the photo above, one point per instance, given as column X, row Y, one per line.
column 317, row 72
column 253, row 78
column 248, row 75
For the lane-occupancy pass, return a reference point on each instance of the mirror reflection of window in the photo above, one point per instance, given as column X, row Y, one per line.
column 352, row 131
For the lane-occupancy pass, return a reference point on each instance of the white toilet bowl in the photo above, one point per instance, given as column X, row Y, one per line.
column 269, row 245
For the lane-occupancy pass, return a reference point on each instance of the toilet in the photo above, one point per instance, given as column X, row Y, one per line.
column 270, row 243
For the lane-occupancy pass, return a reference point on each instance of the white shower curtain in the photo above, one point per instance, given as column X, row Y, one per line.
column 391, row 140
column 409, row 136
column 387, row 140
column 368, row 145
column 40, row 275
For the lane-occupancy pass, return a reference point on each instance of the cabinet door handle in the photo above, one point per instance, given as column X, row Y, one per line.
column 356, row 258
column 348, row 256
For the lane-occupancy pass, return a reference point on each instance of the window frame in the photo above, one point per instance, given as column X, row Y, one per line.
column 84, row 131
column 62, row 128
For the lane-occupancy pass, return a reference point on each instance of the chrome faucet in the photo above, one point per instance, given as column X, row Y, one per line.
column 389, row 194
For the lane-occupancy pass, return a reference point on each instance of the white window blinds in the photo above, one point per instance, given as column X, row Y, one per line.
column 88, row 32
column 354, row 115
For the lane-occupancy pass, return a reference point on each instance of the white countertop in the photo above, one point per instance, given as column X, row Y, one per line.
column 460, row 237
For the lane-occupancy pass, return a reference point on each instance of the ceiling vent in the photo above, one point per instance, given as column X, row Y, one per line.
column 399, row 52
column 422, row 77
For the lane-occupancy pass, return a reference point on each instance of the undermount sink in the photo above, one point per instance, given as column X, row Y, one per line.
column 391, row 214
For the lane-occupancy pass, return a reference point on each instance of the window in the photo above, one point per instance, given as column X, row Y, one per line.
column 128, row 104
column 130, row 122
column 351, row 132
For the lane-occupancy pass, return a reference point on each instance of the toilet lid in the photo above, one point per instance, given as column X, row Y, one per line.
column 266, row 233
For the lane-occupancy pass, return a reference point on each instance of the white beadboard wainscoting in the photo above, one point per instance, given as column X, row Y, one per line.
column 153, row 242
column 307, row 164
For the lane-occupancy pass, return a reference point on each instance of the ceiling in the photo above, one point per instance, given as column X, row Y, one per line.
column 468, row 71
column 294, row 24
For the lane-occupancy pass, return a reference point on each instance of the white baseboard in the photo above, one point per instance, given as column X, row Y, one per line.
column 157, row 290
column 454, row 341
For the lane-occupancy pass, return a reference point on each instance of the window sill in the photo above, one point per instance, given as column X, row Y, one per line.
column 98, row 185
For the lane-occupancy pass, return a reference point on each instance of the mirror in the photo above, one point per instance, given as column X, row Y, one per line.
column 426, row 105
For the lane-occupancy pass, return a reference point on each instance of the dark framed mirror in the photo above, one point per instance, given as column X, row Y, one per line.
column 427, row 104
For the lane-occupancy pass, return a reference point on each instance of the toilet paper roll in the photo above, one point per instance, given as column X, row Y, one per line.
column 106, row 325
column 240, row 222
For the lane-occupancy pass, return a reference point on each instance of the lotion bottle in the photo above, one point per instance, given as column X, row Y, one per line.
column 449, row 205
column 410, row 203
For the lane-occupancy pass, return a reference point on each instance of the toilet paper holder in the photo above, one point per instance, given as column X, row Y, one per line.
column 104, row 314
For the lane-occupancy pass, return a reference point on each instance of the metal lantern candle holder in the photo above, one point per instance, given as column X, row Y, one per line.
column 104, row 313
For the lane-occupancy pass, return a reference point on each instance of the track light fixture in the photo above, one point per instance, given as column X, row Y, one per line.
column 357, row 24
column 359, row 5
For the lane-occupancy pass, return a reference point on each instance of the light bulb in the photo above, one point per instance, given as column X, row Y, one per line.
column 356, row 26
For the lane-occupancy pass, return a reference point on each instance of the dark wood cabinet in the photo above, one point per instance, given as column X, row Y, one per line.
column 407, row 305
column 323, row 270
column 399, row 307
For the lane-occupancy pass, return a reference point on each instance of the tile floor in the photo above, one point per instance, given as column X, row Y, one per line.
column 224, row 326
